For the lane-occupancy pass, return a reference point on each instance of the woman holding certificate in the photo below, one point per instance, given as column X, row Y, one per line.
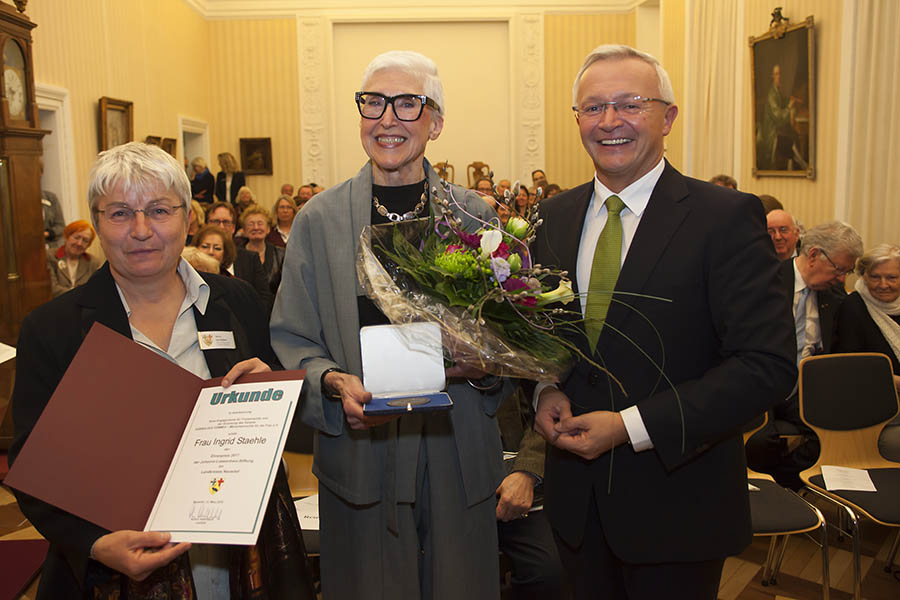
column 138, row 197
column 406, row 506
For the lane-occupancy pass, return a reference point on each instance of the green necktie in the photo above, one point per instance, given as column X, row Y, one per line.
column 604, row 270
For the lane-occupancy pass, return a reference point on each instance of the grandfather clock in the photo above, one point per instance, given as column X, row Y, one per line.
column 24, row 282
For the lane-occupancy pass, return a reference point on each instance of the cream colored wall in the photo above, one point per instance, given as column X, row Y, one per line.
column 810, row 201
column 254, row 81
column 567, row 40
column 473, row 61
column 153, row 53
column 673, row 43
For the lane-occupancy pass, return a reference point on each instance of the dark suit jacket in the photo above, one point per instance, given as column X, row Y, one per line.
column 857, row 332
column 50, row 337
column 237, row 182
column 707, row 330
column 248, row 268
column 828, row 302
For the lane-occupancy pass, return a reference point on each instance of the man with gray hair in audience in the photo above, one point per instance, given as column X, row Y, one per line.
column 815, row 279
column 784, row 231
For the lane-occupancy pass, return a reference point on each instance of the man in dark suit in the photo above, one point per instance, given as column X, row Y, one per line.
column 645, row 484
column 815, row 282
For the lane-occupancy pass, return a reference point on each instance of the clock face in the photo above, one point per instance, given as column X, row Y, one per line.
column 15, row 92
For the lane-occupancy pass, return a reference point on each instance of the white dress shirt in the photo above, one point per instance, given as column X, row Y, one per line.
column 635, row 197
column 806, row 318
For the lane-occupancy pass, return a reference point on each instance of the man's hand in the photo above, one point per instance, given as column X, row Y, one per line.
column 553, row 406
column 353, row 398
column 136, row 553
column 515, row 495
column 591, row 434
column 251, row 365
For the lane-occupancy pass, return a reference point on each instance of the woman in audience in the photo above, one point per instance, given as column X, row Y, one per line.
column 70, row 265
column 285, row 210
column 229, row 180
column 138, row 195
column 203, row 184
column 869, row 321
column 243, row 200
column 521, row 200
column 255, row 221
column 234, row 261
column 197, row 220
column 387, row 488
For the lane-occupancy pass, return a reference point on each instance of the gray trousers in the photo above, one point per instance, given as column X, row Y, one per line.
column 443, row 550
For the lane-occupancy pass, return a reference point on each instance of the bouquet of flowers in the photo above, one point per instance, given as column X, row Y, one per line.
column 492, row 303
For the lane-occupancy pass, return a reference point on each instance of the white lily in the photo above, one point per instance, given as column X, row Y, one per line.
column 490, row 241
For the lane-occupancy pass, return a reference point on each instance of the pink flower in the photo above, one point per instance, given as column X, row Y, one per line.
column 472, row 240
column 452, row 248
column 502, row 251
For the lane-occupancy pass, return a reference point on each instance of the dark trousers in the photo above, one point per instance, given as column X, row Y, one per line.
column 594, row 572
column 529, row 546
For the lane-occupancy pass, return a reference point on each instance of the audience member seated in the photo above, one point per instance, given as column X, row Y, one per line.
column 201, row 261
column 255, row 222
column 552, row 190
column 229, row 180
column 234, row 261
column 484, row 187
column 222, row 214
column 304, row 193
column 203, row 184
column 815, row 279
column 724, row 181
column 522, row 200
column 243, row 200
column 197, row 219
column 869, row 321
column 285, row 210
column 161, row 302
column 770, row 203
column 785, row 233
column 539, row 179
column 503, row 185
column 287, row 189
column 525, row 536
column 70, row 265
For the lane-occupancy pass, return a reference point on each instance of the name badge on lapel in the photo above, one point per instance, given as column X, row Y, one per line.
column 216, row 340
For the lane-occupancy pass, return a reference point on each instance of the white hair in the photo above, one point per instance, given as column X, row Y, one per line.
column 833, row 237
column 140, row 166
column 413, row 63
column 619, row 52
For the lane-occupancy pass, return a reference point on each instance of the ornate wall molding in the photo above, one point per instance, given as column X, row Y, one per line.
column 528, row 114
column 313, row 35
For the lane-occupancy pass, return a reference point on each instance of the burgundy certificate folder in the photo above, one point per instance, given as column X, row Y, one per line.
column 103, row 444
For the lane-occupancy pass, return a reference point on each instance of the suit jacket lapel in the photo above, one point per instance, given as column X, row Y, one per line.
column 661, row 219
column 218, row 317
column 100, row 303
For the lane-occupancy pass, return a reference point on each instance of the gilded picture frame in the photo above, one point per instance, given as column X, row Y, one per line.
column 116, row 122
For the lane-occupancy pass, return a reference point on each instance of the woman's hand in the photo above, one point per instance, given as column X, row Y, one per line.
column 136, row 553
column 251, row 365
column 354, row 397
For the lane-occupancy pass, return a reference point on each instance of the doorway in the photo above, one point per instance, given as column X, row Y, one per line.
column 194, row 141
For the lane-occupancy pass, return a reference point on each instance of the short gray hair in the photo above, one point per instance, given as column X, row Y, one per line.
column 140, row 166
column 618, row 52
column 877, row 255
column 413, row 63
column 832, row 237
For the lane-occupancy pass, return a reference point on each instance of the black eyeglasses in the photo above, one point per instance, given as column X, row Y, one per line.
column 407, row 107
column 839, row 272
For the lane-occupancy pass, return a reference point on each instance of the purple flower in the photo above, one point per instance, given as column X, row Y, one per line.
column 500, row 268
column 472, row 240
column 514, row 283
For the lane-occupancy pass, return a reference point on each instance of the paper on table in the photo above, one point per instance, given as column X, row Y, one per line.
column 6, row 353
column 308, row 512
column 845, row 478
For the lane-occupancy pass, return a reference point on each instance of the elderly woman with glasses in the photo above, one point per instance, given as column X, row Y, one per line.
column 138, row 197
column 869, row 321
column 407, row 507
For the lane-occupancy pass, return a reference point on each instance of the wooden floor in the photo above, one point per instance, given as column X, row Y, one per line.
column 800, row 577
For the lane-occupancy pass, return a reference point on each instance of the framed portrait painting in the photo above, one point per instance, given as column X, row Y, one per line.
column 783, row 87
column 256, row 156
column 169, row 145
column 116, row 122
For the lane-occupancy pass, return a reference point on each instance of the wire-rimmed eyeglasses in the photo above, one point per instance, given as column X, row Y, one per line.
column 119, row 214
column 407, row 107
column 839, row 272
column 630, row 106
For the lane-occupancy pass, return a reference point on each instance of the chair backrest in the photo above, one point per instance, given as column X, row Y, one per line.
column 754, row 425
column 847, row 399
column 476, row 171
column 445, row 171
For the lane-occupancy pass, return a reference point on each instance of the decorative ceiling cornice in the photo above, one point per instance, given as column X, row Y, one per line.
column 250, row 9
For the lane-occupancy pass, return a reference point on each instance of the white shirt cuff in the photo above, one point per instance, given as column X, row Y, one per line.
column 540, row 387
column 637, row 433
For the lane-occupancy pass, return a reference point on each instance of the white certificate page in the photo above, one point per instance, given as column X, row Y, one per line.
column 218, row 484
